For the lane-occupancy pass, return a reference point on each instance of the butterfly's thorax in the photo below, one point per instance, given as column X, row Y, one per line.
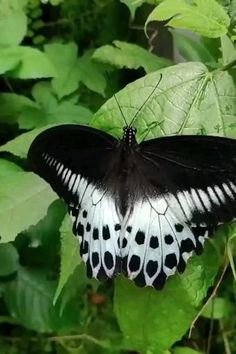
column 126, row 182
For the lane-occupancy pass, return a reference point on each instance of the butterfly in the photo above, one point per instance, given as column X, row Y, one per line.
column 138, row 209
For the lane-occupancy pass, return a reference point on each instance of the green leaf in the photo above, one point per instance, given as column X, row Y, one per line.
column 153, row 310
column 65, row 59
column 231, row 248
column 133, row 5
column 185, row 350
column 131, row 56
column 70, row 258
column 191, row 49
column 9, row 259
column 218, row 308
column 12, row 106
column 188, row 100
column 50, row 111
column 91, row 74
column 29, row 299
column 20, row 145
column 7, row 61
column 207, row 18
column 31, row 63
column 72, row 70
column 228, row 50
column 13, row 25
column 24, row 199
column 8, row 169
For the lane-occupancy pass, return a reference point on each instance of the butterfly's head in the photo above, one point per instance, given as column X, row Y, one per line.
column 129, row 136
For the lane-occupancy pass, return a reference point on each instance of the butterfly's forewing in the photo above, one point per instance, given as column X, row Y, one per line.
column 190, row 189
column 75, row 161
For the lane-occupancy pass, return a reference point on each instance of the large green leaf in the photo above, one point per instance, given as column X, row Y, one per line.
column 72, row 69
column 207, row 18
column 12, row 106
column 20, row 145
column 13, row 24
column 128, row 55
column 8, row 169
column 188, row 100
column 24, row 199
column 185, row 350
column 70, row 258
column 29, row 299
column 157, row 319
column 64, row 57
column 191, row 49
column 49, row 110
column 9, row 259
column 133, row 5
column 228, row 50
column 218, row 308
column 26, row 63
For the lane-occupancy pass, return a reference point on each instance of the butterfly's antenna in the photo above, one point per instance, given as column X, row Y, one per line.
column 145, row 101
column 111, row 88
column 150, row 126
column 120, row 110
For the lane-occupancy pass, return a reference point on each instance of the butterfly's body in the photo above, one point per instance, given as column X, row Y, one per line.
column 141, row 209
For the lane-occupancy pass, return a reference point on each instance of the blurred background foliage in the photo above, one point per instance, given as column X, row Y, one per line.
column 60, row 61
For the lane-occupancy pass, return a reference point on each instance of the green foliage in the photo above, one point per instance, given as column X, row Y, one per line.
column 131, row 56
column 157, row 328
column 20, row 192
column 13, row 24
column 54, row 56
column 70, row 258
column 206, row 18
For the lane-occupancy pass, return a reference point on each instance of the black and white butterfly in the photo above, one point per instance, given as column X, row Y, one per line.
column 141, row 209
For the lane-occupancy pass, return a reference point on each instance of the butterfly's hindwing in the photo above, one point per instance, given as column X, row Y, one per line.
column 96, row 225
column 156, row 243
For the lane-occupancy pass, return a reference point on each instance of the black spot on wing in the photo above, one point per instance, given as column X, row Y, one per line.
column 159, row 281
column 80, row 229
column 171, row 260
column 129, row 229
column 95, row 259
column 124, row 243
column 84, row 247
column 95, row 233
column 140, row 237
column 108, row 260
column 179, row 227
column 88, row 227
column 106, row 232
column 117, row 227
column 151, row 268
column 169, row 239
column 134, row 263
column 140, row 280
column 187, row 245
column 102, row 275
column 154, row 242
column 181, row 265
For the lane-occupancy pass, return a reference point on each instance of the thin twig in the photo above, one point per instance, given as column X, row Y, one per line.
column 58, row 339
column 225, row 339
column 209, row 339
column 213, row 294
column 7, row 82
